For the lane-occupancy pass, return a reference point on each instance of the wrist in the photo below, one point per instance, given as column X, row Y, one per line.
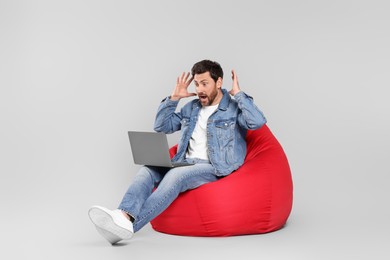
column 235, row 92
column 174, row 98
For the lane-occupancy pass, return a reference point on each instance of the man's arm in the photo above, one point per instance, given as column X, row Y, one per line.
column 167, row 120
column 250, row 117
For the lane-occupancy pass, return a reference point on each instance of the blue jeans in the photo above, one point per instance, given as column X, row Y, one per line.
column 144, row 204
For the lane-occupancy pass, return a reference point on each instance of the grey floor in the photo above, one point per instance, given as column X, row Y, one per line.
column 320, row 227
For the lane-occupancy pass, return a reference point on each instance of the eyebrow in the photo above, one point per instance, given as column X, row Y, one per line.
column 200, row 81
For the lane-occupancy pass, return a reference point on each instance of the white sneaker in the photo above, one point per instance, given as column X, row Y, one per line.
column 111, row 224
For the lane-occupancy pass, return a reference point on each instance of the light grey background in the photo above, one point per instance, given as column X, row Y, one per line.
column 75, row 76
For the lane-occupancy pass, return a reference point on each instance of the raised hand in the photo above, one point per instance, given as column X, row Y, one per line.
column 181, row 89
column 235, row 88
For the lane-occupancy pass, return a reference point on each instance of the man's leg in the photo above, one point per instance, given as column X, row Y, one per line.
column 175, row 181
column 141, row 188
column 114, row 225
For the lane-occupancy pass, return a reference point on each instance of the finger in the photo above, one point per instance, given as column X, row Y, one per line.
column 182, row 76
column 190, row 80
column 234, row 75
column 235, row 79
column 189, row 95
column 186, row 77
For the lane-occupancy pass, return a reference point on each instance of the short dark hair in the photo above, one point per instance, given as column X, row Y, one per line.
column 207, row 65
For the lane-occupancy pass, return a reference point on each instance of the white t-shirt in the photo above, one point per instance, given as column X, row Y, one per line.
column 198, row 142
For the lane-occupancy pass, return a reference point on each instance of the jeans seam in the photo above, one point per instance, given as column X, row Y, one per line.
column 128, row 209
column 160, row 202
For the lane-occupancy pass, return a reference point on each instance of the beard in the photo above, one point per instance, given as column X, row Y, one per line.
column 207, row 100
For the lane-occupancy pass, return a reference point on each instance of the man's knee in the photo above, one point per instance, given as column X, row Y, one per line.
column 149, row 174
column 174, row 179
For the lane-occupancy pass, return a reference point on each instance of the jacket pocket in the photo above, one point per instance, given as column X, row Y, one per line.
column 225, row 132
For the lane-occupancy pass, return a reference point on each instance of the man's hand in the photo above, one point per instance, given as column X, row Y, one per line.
column 235, row 87
column 181, row 89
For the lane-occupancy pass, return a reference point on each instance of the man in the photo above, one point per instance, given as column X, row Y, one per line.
column 213, row 129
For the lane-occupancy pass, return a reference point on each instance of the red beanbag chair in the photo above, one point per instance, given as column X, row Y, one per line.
column 255, row 199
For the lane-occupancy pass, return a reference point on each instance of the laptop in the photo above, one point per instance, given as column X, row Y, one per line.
column 151, row 149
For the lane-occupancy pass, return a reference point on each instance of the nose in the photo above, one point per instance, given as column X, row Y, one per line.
column 200, row 89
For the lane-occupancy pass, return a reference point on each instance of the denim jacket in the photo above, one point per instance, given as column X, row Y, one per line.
column 226, row 128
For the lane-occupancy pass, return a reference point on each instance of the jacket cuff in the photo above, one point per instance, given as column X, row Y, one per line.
column 241, row 95
column 170, row 102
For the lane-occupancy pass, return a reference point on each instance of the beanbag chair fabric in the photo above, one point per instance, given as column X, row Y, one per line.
column 255, row 199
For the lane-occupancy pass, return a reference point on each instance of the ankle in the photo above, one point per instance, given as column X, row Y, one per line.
column 128, row 216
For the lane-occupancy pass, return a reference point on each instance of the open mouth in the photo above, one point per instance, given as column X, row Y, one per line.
column 202, row 97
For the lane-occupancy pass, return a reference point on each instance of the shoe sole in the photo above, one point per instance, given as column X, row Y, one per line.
column 106, row 226
column 112, row 238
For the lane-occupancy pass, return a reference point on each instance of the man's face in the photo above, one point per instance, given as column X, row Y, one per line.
column 208, row 91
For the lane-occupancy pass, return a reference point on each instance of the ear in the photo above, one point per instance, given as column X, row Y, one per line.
column 219, row 83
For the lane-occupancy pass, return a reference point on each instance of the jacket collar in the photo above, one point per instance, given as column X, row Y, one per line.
column 223, row 105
